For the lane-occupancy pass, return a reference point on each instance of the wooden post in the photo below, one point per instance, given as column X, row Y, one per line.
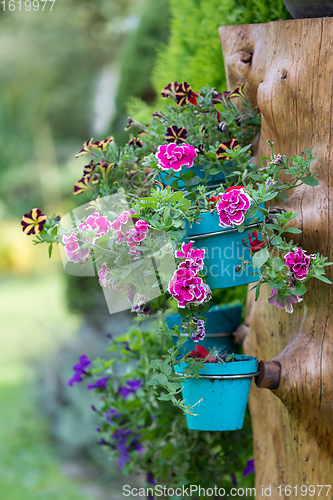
column 289, row 69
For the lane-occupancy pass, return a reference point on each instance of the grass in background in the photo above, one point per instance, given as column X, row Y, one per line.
column 34, row 321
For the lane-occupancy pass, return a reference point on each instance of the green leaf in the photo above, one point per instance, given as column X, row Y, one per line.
column 162, row 379
column 214, row 170
column 188, row 175
column 184, row 204
column 322, row 278
column 194, row 181
column 293, row 230
column 178, row 195
column 300, row 289
column 259, row 258
column 310, row 181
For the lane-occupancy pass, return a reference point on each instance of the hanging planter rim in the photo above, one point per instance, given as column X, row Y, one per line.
column 225, row 231
column 243, row 365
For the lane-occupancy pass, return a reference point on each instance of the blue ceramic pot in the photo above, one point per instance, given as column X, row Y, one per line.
column 224, row 247
column 223, row 399
column 221, row 322
column 199, row 171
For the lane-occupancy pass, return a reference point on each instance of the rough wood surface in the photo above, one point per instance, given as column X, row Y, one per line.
column 289, row 68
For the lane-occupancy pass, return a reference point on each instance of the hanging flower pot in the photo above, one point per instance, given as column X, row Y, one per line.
column 222, row 390
column 223, row 250
column 301, row 9
column 221, row 323
column 197, row 171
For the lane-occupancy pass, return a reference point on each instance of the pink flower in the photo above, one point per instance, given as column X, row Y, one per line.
column 175, row 157
column 233, row 206
column 121, row 221
column 186, row 287
column 73, row 248
column 298, row 263
column 103, row 275
column 136, row 235
column 194, row 257
column 286, row 302
column 95, row 221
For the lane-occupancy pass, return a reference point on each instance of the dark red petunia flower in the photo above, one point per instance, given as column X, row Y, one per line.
column 234, row 187
column 202, row 353
column 221, row 152
column 33, row 222
column 175, row 134
column 213, row 200
column 254, row 243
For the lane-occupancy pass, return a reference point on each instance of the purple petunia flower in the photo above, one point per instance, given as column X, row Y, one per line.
column 199, row 333
column 99, row 384
column 286, row 302
column 249, row 468
column 111, row 414
column 132, row 386
column 150, row 478
column 233, row 479
column 79, row 369
column 298, row 263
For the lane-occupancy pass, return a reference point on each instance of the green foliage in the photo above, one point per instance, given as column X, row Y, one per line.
column 137, row 60
column 193, row 52
column 174, row 454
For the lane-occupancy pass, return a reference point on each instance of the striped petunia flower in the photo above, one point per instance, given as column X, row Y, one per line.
column 90, row 146
column 238, row 92
column 33, row 222
column 221, row 98
column 185, row 94
column 221, row 152
column 83, row 184
column 89, row 169
column 135, row 142
column 176, row 134
column 104, row 168
column 181, row 92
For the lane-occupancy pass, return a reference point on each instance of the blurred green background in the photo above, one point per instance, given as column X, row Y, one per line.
column 66, row 76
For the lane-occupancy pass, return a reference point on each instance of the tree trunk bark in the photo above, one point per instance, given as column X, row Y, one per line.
column 289, row 69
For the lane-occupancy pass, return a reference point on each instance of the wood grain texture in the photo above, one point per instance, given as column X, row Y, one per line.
column 290, row 75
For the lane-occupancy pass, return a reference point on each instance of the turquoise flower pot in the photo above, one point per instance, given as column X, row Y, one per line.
column 199, row 171
column 221, row 322
column 224, row 247
column 223, row 399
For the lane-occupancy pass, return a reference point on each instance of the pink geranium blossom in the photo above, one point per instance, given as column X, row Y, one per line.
column 175, row 156
column 298, row 263
column 93, row 222
column 103, row 275
column 193, row 257
column 286, row 302
column 119, row 225
column 136, row 235
column 233, row 206
column 73, row 248
column 186, row 287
